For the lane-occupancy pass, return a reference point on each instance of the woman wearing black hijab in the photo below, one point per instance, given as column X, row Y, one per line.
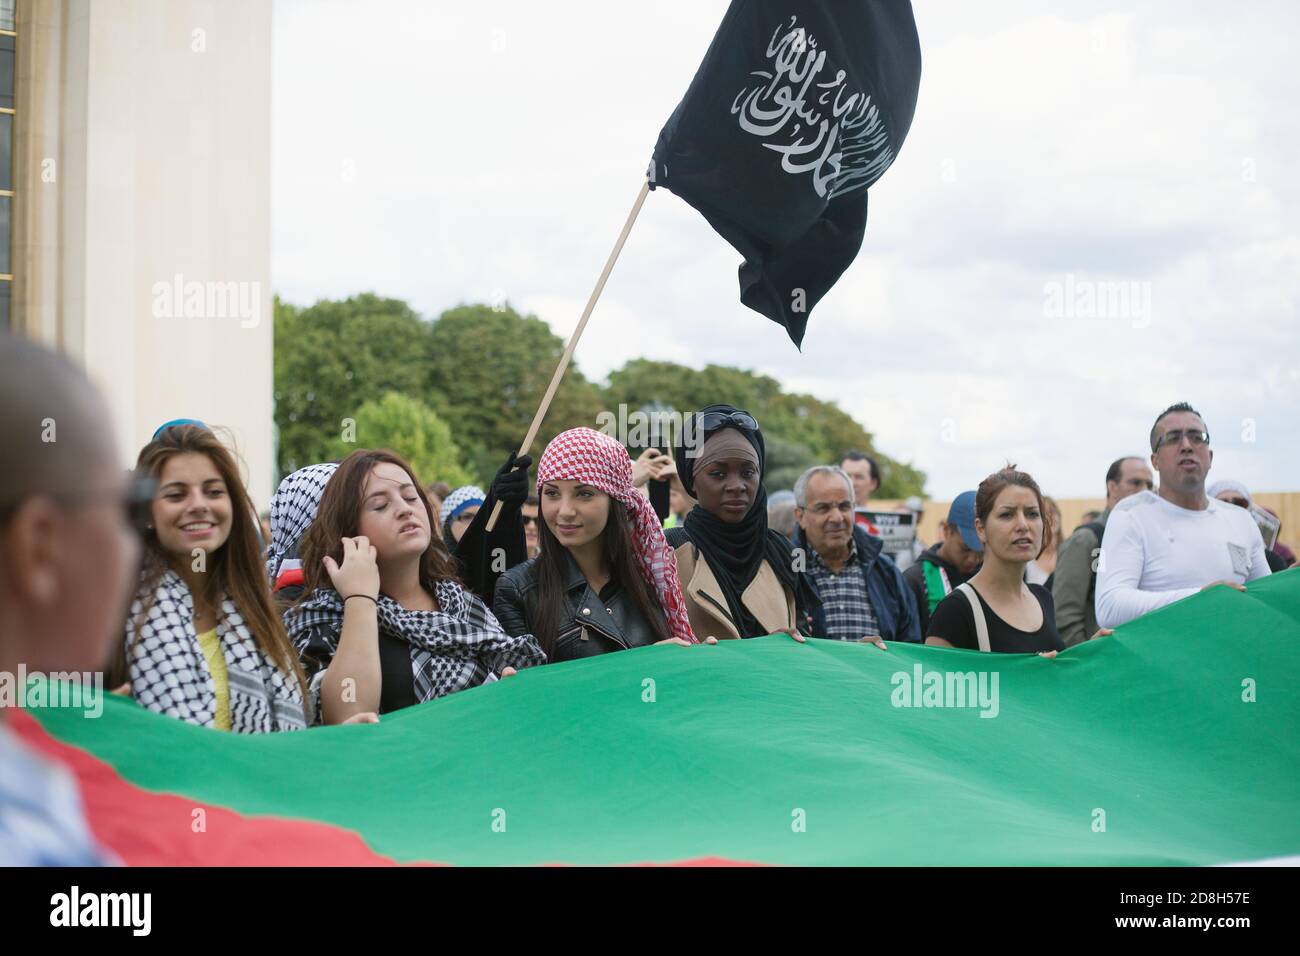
column 737, row 574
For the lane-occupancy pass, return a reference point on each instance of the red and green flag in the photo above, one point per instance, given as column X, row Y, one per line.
column 1177, row 741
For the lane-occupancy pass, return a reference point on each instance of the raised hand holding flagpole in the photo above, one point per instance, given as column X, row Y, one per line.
column 798, row 220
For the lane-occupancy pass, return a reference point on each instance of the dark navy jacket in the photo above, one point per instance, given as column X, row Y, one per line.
column 891, row 598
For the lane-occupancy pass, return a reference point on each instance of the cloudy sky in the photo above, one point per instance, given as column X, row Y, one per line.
column 443, row 152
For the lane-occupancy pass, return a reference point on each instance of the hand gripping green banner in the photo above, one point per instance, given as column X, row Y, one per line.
column 1176, row 741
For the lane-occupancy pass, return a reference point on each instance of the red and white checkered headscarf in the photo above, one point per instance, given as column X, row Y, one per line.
column 596, row 459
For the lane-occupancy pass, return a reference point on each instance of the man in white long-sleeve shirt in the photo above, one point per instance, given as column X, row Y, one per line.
column 1160, row 547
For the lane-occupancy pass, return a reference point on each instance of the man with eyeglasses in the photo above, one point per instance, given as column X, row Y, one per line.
column 67, row 558
column 1074, row 584
column 862, row 593
column 1161, row 548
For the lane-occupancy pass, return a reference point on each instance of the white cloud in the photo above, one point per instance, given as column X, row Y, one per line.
column 443, row 153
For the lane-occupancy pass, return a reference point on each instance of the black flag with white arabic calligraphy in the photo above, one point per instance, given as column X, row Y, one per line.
column 798, row 107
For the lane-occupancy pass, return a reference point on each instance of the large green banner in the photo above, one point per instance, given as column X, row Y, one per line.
column 1176, row 741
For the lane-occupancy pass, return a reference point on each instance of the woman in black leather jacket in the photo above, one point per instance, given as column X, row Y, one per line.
column 605, row 579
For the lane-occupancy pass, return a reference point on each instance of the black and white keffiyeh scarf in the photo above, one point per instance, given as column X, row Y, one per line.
column 293, row 509
column 460, row 645
column 170, row 675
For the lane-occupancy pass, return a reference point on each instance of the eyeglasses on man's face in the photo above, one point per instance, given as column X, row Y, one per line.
column 1175, row 437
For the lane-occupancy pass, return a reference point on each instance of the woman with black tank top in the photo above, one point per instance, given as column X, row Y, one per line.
column 996, row 610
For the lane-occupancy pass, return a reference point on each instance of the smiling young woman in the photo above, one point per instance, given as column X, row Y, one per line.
column 384, row 622
column 203, row 642
column 605, row 579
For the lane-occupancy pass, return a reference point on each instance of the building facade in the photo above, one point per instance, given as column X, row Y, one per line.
column 137, row 207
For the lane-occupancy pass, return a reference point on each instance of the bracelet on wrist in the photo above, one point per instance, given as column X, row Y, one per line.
column 349, row 597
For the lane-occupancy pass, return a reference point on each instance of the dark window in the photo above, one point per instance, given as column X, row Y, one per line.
column 4, row 234
column 6, row 151
column 6, row 72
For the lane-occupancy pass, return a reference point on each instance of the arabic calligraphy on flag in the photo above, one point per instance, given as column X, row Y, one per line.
column 849, row 147
column 797, row 108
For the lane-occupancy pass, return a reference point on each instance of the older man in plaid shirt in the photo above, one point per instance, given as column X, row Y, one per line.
column 863, row 595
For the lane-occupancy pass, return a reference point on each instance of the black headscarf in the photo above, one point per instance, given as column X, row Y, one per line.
column 735, row 550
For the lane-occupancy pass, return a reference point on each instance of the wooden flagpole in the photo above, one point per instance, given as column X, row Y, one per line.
column 577, row 334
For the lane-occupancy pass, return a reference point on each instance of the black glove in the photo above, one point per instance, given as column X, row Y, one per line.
column 510, row 486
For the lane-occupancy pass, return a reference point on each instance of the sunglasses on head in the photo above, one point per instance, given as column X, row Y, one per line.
column 712, row 420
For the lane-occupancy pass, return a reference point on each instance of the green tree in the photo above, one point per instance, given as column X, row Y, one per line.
column 786, row 460
column 799, row 430
column 486, row 372
column 331, row 358
column 412, row 429
column 482, row 372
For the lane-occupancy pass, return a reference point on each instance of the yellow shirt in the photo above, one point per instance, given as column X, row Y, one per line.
column 216, row 659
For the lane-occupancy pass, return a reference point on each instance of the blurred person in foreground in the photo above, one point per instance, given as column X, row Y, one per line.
column 68, row 556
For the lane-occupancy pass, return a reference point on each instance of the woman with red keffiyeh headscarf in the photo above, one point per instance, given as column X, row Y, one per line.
column 605, row 579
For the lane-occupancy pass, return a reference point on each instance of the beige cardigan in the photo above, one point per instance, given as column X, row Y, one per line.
column 771, row 603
